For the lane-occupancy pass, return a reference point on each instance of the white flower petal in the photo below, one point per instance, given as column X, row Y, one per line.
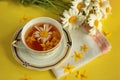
column 49, row 33
column 46, row 26
column 66, row 25
column 36, row 27
column 41, row 29
column 87, row 2
column 65, row 13
column 36, row 32
column 37, row 35
column 38, row 38
column 44, row 40
column 48, row 37
column 49, row 28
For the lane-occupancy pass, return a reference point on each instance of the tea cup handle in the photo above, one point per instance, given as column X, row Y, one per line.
column 14, row 43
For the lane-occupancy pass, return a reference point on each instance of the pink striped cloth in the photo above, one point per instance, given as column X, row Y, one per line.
column 97, row 44
column 100, row 39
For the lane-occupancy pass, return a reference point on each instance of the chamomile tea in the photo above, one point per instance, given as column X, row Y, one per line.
column 42, row 36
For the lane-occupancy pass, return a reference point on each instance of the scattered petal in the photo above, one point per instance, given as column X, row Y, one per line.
column 68, row 68
column 80, row 75
column 84, row 48
column 77, row 56
column 31, row 39
column 26, row 77
column 25, row 18
column 107, row 34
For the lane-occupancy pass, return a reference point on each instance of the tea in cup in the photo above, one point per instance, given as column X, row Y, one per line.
column 41, row 35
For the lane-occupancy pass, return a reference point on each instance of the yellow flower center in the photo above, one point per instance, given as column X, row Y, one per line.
column 79, row 6
column 96, row 22
column 100, row 3
column 44, row 34
column 72, row 19
column 107, row 9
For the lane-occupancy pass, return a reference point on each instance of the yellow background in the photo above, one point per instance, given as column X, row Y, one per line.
column 106, row 67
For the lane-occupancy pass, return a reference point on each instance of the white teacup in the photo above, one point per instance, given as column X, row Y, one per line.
column 32, row 22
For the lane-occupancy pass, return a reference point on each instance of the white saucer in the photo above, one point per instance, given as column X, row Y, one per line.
column 42, row 62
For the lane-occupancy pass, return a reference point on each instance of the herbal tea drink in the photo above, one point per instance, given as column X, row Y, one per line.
column 42, row 36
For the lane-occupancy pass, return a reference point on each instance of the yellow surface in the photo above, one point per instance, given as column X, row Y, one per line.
column 106, row 67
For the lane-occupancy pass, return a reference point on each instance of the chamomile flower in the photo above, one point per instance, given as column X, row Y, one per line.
column 77, row 56
column 78, row 4
column 68, row 68
column 81, row 76
column 72, row 19
column 43, row 33
column 105, row 7
column 93, row 21
column 81, row 6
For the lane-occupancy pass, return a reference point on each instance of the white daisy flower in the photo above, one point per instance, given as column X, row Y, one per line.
column 43, row 33
column 72, row 19
column 78, row 4
column 105, row 7
column 81, row 5
column 93, row 21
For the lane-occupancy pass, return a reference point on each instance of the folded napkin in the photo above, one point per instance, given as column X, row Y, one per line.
column 84, row 49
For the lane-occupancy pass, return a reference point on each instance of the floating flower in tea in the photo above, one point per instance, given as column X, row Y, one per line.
column 42, row 36
column 43, row 33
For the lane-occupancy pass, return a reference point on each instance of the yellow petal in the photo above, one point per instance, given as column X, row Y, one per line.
column 84, row 48
column 80, row 75
column 43, row 45
column 25, row 18
column 68, row 68
column 107, row 34
column 77, row 56
column 47, row 43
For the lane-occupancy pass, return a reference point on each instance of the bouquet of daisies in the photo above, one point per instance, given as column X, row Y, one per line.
column 76, row 13
column 88, row 12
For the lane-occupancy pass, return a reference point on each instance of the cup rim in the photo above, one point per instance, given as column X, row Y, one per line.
column 41, row 20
